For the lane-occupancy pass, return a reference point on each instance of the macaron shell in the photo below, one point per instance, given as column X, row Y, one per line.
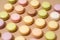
column 35, row 3
column 53, row 25
column 8, row 7
column 28, row 20
column 4, row 15
column 23, row 2
column 40, row 23
column 2, row 24
column 26, row 31
column 54, row 15
column 19, row 9
column 50, row 35
column 12, row 1
column 31, row 12
column 15, row 17
column 6, row 36
column 11, row 27
column 37, row 33
column 20, row 38
column 46, row 5
column 42, row 14
column 56, row 7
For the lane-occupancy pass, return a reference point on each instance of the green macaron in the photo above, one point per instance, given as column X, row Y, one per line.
column 50, row 35
column 42, row 13
column 12, row 1
column 4, row 15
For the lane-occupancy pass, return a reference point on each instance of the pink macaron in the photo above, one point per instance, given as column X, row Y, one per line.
column 57, row 7
column 23, row 2
column 6, row 36
column 15, row 17
column 2, row 24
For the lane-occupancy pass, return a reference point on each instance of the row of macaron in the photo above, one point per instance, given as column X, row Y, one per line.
column 36, row 34
column 33, row 3
column 15, row 17
column 28, row 20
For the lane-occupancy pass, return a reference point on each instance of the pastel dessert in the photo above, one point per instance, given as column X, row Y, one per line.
column 40, row 23
column 12, row 1
column 24, row 30
column 23, row 2
column 19, row 9
column 6, row 36
column 4, row 15
column 46, row 5
column 37, row 33
column 31, row 12
column 15, row 17
column 11, row 27
column 55, row 15
column 28, row 20
column 8, row 7
column 2, row 24
column 35, row 3
column 20, row 38
column 53, row 25
column 50, row 35
column 32, row 39
column 42, row 14
column 56, row 7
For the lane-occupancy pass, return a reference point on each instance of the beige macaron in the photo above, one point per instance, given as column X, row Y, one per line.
column 20, row 38
column 37, row 33
column 24, row 30
column 40, row 23
column 34, row 3
column 19, row 9
column 8, row 7
column 28, row 20
column 53, row 25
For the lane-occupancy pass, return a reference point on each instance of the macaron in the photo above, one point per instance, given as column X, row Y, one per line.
column 46, row 5
column 6, row 36
column 12, row 1
column 35, row 3
column 55, row 15
column 15, row 17
column 20, row 38
column 8, row 7
column 24, row 30
column 23, row 2
column 19, row 9
column 4, row 15
column 37, row 33
column 42, row 14
column 32, row 39
column 28, row 20
column 53, row 25
column 2, row 24
column 40, row 23
column 56, row 7
column 50, row 35
column 31, row 12
column 11, row 27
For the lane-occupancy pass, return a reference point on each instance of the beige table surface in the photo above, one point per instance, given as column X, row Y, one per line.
column 2, row 2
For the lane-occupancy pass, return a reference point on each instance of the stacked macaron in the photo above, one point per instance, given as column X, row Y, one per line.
column 29, row 19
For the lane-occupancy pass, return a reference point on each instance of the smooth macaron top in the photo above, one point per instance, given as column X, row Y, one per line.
column 4, row 15
column 23, row 2
column 50, row 35
column 57, row 7
column 15, row 17
column 2, row 23
column 6, row 36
